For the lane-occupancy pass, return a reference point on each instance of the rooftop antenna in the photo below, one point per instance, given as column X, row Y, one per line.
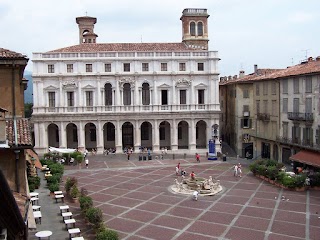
column 86, row 14
column 306, row 50
column 292, row 61
column 141, row 38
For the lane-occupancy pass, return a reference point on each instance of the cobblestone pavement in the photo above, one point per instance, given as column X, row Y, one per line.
column 135, row 199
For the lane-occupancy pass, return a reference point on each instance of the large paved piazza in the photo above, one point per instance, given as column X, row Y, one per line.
column 136, row 201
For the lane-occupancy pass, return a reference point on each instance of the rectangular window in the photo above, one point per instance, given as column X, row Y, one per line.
column 89, row 98
column 52, row 99
column 200, row 66
column 182, row 66
column 258, row 106
column 296, row 85
column 246, row 108
column 274, row 106
column 183, row 96
column 164, row 67
column 164, row 97
column 201, row 96
column 245, row 93
column 126, row 67
column 265, row 88
column 70, row 96
column 50, row 68
column 273, row 88
column 308, row 105
column 309, row 84
column 145, row 67
column 257, row 89
column 285, row 129
column 70, row 68
column 296, row 105
column 265, row 106
column 245, row 123
column 285, row 105
column 88, row 67
column 285, row 86
column 107, row 67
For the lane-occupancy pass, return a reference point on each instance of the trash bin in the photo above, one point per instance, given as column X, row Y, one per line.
column 149, row 157
column 144, row 158
column 224, row 158
column 140, row 158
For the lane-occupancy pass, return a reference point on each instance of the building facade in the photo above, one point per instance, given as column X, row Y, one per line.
column 117, row 95
column 282, row 113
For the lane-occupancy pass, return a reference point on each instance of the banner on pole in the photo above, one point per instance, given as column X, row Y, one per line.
column 212, row 150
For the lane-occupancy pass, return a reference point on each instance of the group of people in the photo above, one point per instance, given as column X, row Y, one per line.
column 237, row 171
column 109, row 150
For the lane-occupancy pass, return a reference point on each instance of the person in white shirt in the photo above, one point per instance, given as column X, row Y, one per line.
column 195, row 195
column 86, row 162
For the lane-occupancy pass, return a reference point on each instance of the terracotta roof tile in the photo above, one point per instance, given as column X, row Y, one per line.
column 124, row 47
column 309, row 67
column 308, row 157
column 21, row 202
column 5, row 53
column 23, row 130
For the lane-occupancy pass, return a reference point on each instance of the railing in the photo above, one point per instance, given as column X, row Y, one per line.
column 303, row 143
column 300, row 116
column 263, row 116
column 128, row 108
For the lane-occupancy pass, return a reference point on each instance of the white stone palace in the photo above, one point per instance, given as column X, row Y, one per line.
column 116, row 95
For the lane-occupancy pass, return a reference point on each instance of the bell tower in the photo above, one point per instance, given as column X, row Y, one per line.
column 195, row 27
column 86, row 29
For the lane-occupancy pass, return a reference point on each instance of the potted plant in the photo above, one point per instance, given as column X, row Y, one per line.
column 53, row 187
column 94, row 216
column 79, row 159
column 70, row 182
column 74, row 193
column 85, row 203
column 107, row 234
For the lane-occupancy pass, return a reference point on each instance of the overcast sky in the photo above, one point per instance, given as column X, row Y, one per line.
column 270, row 33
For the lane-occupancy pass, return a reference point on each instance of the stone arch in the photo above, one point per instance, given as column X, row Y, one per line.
column 53, row 135
column 90, row 132
column 165, row 135
column 109, row 135
column 183, row 135
column 146, row 135
column 201, row 134
column 127, row 135
column 72, row 135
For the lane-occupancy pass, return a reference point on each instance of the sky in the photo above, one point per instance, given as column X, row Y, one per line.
column 269, row 33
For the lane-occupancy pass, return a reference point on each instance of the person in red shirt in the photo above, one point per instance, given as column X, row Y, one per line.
column 197, row 157
column 192, row 175
column 178, row 169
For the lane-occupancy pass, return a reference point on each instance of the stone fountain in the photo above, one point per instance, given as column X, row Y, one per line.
column 205, row 187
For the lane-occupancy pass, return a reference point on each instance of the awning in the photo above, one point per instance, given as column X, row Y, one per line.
column 307, row 157
column 62, row 150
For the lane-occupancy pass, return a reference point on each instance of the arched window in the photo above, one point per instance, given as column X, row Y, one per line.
column 108, row 94
column 126, row 94
column 145, row 94
column 192, row 29
column 200, row 29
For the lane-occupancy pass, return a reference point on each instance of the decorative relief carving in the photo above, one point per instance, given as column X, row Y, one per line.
column 183, row 82
column 127, row 80
column 69, row 84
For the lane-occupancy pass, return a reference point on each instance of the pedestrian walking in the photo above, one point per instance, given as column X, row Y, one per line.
column 195, row 195
column 86, row 162
column 178, row 169
column 197, row 157
column 128, row 156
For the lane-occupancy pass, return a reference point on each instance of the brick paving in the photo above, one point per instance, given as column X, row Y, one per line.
column 136, row 201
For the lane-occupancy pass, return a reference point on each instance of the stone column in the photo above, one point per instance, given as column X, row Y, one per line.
column 81, row 134
column 63, row 135
column 43, row 137
column 174, row 135
column 137, row 137
column 37, row 135
column 155, row 135
column 98, row 98
column 118, row 133
column 192, row 136
column 100, row 145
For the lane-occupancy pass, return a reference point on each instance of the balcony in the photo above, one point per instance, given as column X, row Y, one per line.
column 263, row 116
column 304, row 143
column 297, row 116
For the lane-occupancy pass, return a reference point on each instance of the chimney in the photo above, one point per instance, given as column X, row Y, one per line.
column 310, row 59
column 241, row 73
column 318, row 58
column 255, row 68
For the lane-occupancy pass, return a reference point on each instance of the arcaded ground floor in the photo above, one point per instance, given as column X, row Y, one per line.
column 136, row 201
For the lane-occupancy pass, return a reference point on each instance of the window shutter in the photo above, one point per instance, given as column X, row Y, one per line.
column 242, row 123
column 250, row 123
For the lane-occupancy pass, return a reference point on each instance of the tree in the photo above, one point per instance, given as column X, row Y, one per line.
column 28, row 109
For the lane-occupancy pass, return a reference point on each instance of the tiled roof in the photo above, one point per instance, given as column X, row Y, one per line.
column 124, row 47
column 5, row 53
column 23, row 130
column 308, row 67
column 308, row 157
column 21, row 202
